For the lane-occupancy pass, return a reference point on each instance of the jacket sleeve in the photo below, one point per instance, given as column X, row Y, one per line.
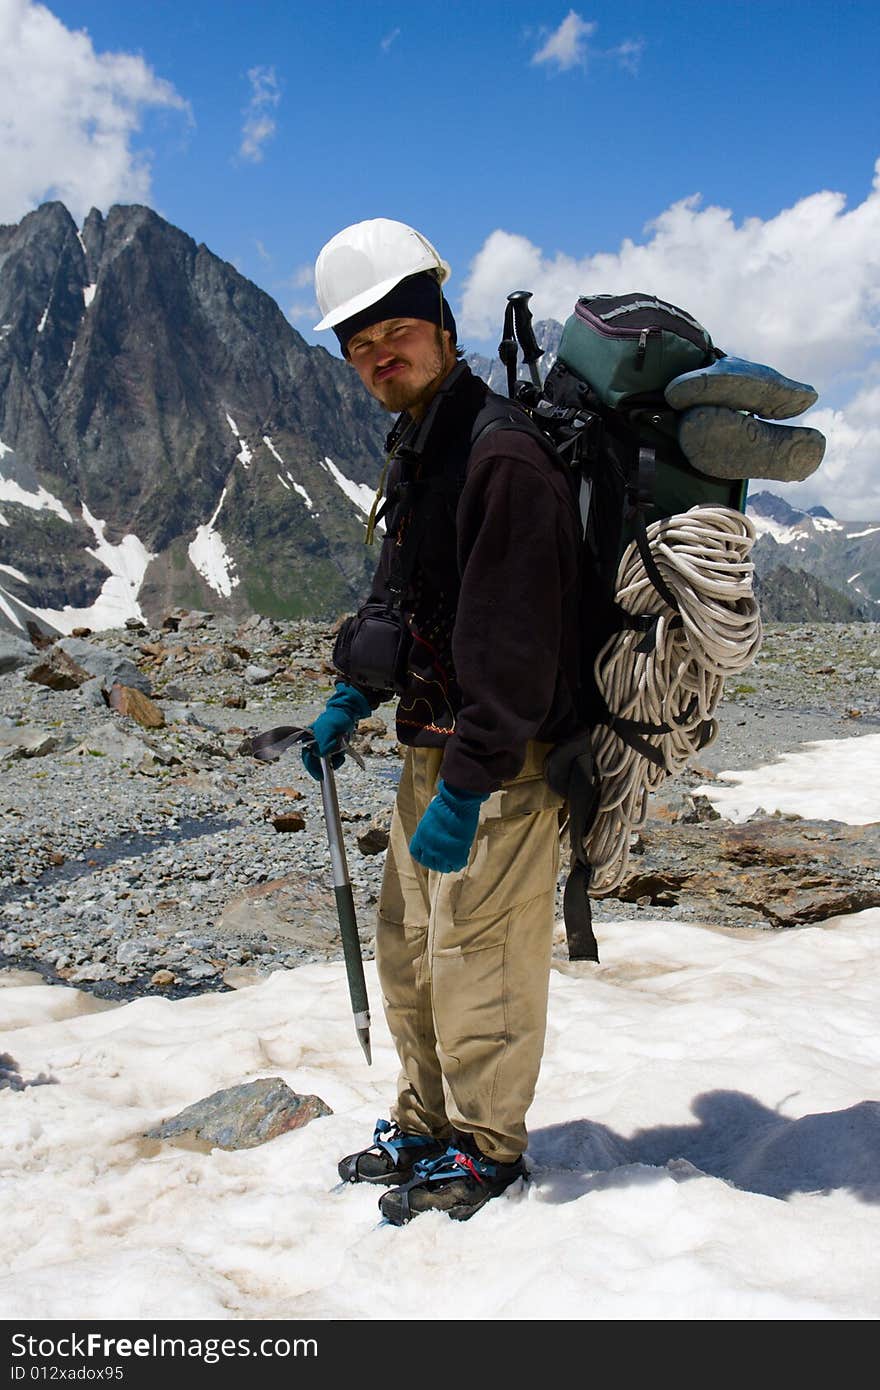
column 515, row 560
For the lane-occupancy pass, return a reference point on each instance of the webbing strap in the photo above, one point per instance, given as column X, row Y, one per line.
column 570, row 772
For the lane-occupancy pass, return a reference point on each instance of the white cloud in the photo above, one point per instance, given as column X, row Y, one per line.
column 629, row 54
column 567, row 46
column 800, row 291
column 259, row 126
column 388, row 40
column 303, row 309
column 68, row 115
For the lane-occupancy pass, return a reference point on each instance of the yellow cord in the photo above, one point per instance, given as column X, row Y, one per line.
column 371, row 520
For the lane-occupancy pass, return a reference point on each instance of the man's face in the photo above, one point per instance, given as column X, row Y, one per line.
column 402, row 362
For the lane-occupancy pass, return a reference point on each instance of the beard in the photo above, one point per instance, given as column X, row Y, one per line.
column 414, row 386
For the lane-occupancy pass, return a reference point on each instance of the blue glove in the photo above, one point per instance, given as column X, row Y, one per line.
column 342, row 712
column 446, row 831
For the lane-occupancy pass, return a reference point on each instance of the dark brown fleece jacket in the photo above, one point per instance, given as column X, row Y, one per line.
column 492, row 599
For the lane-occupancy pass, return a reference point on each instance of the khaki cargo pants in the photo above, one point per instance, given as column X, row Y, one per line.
column 464, row 959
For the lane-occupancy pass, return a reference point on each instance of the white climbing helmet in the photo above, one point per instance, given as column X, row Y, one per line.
column 363, row 262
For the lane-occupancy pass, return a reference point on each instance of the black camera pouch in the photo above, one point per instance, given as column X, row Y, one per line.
column 372, row 648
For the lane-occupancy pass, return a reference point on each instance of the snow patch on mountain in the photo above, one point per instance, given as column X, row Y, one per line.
column 361, row 494
column 854, row 535
column 88, row 294
column 272, row 450
column 210, row 557
column 785, row 535
column 297, row 487
column 117, row 601
column 16, row 574
column 244, row 454
column 12, row 491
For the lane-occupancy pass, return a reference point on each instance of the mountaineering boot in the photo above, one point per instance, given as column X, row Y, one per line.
column 741, row 385
column 390, row 1157
column 459, row 1182
column 727, row 444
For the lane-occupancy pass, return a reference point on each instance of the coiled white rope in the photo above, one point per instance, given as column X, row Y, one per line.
column 702, row 556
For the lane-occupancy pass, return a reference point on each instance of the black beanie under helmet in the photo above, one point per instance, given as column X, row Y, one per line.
column 416, row 297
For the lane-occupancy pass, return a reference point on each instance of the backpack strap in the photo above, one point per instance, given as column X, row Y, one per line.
column 570, row 771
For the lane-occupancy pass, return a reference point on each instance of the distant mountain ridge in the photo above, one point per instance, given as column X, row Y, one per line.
column 840, row 560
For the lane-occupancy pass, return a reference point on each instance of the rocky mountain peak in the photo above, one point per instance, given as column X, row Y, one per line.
column 163, row 426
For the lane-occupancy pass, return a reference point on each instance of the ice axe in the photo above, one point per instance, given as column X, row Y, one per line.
column 267, row 747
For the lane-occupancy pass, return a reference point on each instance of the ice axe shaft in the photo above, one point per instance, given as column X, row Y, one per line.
column 267, row 747
column 351, row 946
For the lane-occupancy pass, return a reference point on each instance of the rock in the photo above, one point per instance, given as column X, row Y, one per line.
column 132, row 624
column 91, row 694
column 703, row 810
column 374, row 724
column 175, row 691
column 108, row 742
column 88, row 974
column 242, row 1117
column 139, row 707
column 235, row 702
column 194, row 620
column 289, row 910
column 26, row 743
column 163, row 977
column 81, row 632
column 373, row 840
column 786, row 872
column 288, row 822
column 107, row 665
column 15, row 652
column 58, row 671
column 258, row 675
column 202, row 970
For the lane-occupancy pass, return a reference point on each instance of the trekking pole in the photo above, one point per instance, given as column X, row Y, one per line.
column 267, row 747
column 522, row 319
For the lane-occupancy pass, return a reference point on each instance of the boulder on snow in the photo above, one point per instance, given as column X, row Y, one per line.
column 241, row 1117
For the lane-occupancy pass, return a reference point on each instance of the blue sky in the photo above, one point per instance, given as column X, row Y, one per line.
column 687, row 144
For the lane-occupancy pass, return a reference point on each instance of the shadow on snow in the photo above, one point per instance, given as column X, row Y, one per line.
column 735, row 1137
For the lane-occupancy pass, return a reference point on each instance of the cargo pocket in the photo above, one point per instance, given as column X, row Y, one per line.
column 515, row 856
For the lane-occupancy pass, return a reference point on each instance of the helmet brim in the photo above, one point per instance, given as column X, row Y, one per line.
column 362, row 301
